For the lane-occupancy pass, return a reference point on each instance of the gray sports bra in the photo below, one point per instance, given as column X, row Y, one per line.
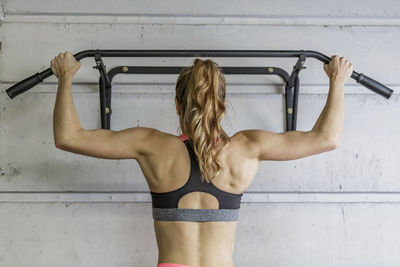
column 165, row 205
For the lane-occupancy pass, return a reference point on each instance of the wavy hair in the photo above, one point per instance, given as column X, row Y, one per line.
column 200, row 92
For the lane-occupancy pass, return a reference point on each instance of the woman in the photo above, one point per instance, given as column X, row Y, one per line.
column 204, row 170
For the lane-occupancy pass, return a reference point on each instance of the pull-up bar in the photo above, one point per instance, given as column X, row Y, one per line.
column 291, row 81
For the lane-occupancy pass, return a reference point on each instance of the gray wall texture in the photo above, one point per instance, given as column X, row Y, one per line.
column 339, row 208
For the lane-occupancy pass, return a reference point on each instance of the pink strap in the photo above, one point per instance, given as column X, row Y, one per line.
column 183, row 137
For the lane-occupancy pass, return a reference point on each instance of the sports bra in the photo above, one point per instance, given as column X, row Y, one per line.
column 165, row 204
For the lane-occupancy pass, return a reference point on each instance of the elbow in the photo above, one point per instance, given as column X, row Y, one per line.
column 64, row 141
column 329, row 142
column 60, row 143
column 332, row 144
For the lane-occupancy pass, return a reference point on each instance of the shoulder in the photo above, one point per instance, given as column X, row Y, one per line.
column 245, row 144
column 158, row 140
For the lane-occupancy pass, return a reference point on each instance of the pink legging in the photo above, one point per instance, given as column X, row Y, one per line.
column 173, row 265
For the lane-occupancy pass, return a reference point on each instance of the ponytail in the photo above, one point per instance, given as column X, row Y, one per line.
column 200, row 91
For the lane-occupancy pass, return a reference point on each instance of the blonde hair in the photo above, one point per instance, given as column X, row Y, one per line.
column 200, row 91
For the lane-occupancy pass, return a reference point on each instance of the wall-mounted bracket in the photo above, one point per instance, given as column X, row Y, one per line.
column 291, row 98
column 104, row 92
column 289, row 102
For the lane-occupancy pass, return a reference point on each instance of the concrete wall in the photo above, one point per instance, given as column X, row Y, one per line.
column 339, row 208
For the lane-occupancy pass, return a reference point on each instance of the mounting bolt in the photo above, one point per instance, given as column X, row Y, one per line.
column 124, row 68
column 107, row 110
column 270, row 69
column 289, row 110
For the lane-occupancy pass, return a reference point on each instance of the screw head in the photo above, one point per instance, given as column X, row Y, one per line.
column 289, row 110
column 270, row 69
column 124, row 68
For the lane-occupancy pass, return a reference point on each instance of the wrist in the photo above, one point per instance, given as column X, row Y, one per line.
column 65, row 77
column 336, row 79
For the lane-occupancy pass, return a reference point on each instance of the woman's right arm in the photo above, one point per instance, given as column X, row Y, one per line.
column 323, row 137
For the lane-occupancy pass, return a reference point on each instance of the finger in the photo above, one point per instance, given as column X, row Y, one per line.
column 335, row 58
column 78, row 65
column 69, row 55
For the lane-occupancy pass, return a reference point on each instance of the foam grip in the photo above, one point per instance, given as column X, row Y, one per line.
column 375, row 86
column 28, row 83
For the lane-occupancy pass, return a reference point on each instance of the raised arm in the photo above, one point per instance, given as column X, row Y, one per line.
column 325, row 134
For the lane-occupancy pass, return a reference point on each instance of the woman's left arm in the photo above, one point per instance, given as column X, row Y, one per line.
column 101, row 143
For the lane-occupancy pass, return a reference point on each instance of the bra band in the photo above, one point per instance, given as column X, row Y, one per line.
column 195, row 215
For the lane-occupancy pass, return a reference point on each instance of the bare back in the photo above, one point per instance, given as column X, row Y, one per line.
column 197, row 243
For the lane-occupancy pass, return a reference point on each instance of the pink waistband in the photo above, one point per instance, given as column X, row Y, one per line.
column 173, row 265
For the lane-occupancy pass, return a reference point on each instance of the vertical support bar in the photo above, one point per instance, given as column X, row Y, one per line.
column 295, row 102
column 288, row 107
column 293, row 82
column 108, row 109
column 102, row 92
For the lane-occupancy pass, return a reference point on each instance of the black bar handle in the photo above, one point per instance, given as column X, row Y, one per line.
column 37, row 78
column 374, row 86
column 30, row 82
column 366, row 81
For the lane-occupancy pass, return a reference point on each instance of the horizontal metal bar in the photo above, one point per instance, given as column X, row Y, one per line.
column 248, row 197
column 201, row 53
column 37, row 78
column 169, row 88
column 267, row 70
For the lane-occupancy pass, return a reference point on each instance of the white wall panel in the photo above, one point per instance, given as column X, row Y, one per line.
column 122, row 234
column 384, row 8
